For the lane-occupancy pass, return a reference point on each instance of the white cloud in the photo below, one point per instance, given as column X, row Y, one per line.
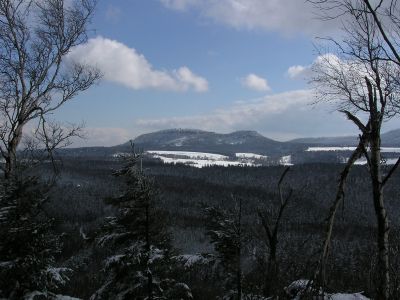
column 126, row 66
column 321, row 61
column 187, row 78
column 287, row 16
column 279, row 116
column 297, row 71
column 254, row 82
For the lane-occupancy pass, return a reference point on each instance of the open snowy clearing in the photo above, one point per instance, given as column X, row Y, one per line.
column 200, row 163
column 189, row 154
column 363, row 161
column 324, row 149
column 204, row 159
column 250, row 155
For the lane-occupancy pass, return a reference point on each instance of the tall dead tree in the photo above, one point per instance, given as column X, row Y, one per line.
column 36, row 78
column 362, row 78
column 271, row 227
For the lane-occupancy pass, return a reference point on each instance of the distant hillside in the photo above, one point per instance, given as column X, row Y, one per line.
column 198, row 140
column 389, row 139
column 230, row 143
column 328, row 141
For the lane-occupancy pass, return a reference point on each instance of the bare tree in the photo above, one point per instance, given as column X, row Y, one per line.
column 36, row 78
column 362, row 78
column 271, row 228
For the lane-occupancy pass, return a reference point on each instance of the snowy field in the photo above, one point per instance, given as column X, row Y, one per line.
column 188, row 154
column 244, row 159
column 324, row 149
column 250, row 156
column 204, row 159
column 363, row 161
column 200, row 163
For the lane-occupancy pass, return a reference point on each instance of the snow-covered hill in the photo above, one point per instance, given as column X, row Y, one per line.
column 246, row 148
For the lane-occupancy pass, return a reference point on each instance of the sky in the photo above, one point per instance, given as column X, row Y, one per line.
column 220, row 66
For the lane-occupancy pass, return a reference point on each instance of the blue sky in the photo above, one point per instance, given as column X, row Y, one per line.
column 214, row 65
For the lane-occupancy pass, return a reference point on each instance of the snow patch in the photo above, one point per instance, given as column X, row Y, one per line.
column 179, row 142
column 250, row 155
column 121, row 154
column 59, row 275
column 197, row 159
column 201, row 163
column 325, row 149
column 190, row 154
column 286, row 160
column 363, row 161
column 114, row 259
column 297, row 289
column 340, row 296
column 190, row 260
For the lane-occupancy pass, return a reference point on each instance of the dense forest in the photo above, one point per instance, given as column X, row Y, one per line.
column 187, row 206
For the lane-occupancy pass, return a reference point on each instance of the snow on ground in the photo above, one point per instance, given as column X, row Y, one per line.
column 324, row 149
column 297, row 288
column 189, row 154
column 318, row 149
column 121, row 154
column 286, row 160
column 190, row 260
column 340, row 296
column 250, row 155
column 197, row 159
column 390, row 150
column 200, row 163
column 179, row 141
column 389, row 161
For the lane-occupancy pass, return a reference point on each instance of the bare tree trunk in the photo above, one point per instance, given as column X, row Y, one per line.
column 148, row 249
column 381, row 216
column 272, row 236
column 11, row 159
column 272, row 266
column 239, row 266
column 320, row 274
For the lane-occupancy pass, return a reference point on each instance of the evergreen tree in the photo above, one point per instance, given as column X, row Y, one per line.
column 224, row 228
column 28, row 244
column 141, row 264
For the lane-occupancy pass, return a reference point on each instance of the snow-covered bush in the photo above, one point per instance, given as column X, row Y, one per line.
column 28, row 244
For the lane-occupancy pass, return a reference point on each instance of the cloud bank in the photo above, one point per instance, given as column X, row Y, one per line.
column 280, row 116
column 239, row 115
column 125, row 66
column 286, row 16
column 321, row 62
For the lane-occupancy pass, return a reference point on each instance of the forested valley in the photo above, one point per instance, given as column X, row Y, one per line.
column 194, row 213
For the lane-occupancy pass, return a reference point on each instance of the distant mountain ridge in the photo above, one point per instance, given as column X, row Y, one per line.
column 244, row 141
column 389, row 139
column 206, row 141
